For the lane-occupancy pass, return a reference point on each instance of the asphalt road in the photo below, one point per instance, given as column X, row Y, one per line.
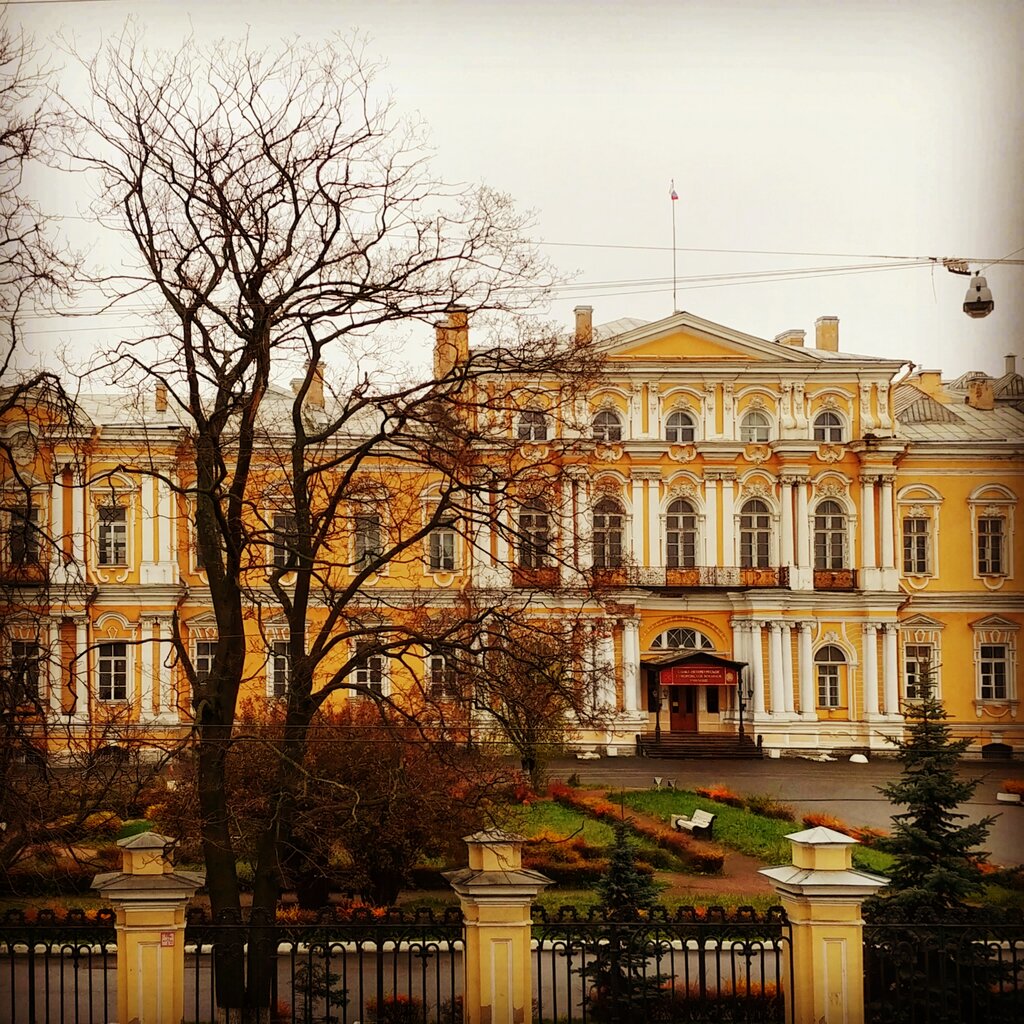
column 848, row 791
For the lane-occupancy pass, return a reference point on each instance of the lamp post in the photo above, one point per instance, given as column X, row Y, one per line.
column 655, row 691
column 744, row 691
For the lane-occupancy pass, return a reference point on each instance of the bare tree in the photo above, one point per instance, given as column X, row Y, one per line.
column 285, row 220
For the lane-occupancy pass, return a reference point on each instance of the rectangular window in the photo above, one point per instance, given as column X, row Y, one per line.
column 828, row 686
column 280, row 668
column 26, row 658
column 916, row 547
column 112, row 662
column 368, row 547
column 993, row 671
column 285, row 536
column 990, row 546
column 23, row 535
column 442, row 549
column 918, row 670
column 202, row 661
column 369, row 669
column 441, row 677
column 113, row 535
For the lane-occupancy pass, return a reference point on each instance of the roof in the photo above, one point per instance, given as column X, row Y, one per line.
column 667, row 659
column 1003, row 423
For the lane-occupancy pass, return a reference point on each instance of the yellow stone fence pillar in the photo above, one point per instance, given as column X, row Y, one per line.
column 496, row 896
column 149, row 899
column 822, row 894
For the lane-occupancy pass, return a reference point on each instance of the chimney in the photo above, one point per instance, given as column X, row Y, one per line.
column 451, row 342
column 160, row 398
column 584, row 323
column 929, row 381
column 826, row 334
column 1011, row 362
column 795, row 339
column 980, row 395
column 315, row 393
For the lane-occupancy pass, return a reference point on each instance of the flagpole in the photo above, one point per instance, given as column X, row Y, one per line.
column 672, row 201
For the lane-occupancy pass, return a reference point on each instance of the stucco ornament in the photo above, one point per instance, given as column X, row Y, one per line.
column 533, row 452
column 682, row 490
column 757, row 488
column 682, row 452
column 757, row 453
column 608, row 452
column 829, row 452
column 830, row 488
column 23, row 447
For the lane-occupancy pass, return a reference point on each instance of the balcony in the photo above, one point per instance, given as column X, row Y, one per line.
column 545, row 578
column 721, row 577
column 835, row 579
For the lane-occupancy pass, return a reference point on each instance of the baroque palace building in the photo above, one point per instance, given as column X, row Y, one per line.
column 786, row 538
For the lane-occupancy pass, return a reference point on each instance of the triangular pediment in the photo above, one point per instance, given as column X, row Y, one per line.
column 685, row 337
column 921, row 622
column 994, row 622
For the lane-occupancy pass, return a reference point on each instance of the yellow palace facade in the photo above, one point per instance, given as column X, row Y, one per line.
column 783, row 539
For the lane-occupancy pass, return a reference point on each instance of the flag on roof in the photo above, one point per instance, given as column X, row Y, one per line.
column 672, row 194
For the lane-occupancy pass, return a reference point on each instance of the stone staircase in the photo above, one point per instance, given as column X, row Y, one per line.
column 695, row 746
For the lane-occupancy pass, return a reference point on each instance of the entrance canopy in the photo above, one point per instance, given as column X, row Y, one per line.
column 693, row 668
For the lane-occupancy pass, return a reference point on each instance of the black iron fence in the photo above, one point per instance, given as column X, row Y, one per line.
column 58, row 967
column 686, row 965
column 933, row 973
column 343, row 966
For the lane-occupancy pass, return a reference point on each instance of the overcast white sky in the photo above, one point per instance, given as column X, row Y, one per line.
column 812, row 126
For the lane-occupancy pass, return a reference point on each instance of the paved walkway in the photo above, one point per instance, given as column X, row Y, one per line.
column 836, row 787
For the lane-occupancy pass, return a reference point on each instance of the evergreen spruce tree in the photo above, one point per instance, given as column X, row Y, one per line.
column 625, row 891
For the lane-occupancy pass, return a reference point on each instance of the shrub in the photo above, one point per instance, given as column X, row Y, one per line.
column 397, row 1009
column 817, row 819
column 1012, row 786
column 768, row 807
column 723, row 794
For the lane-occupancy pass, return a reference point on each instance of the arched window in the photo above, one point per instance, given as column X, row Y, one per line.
column 608, row 528
column 682, row 638
column 681, row 535
column 828, row 669
column 679, row 428
column 828, row 427
column 533, row 425
column 534, row 537
column 755, row 428
column 829, row 536
column 755, row 534
column 607, row 426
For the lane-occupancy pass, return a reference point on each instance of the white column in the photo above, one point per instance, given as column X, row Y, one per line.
column 81, row 670
column 149, row 526
column 728, row 522
column 57, row 520
column 803, row 527
column 787, row 669
column 165, row 524
column 805, row 668
column 711, row 521
column 757, row 668
column 636, row 411
column 887, row 524
column 890, row 670
column 584, row 538
column 654, row 523
column 775, row 680
column 54, row 655
column 149, row 650
column 162, row 671
column 637, row 520
column 868, row 559
column 630, row 664
column 605, row 658
column 590, row 666
column 502, row 519
column 870, row 670
column 787, row 521
column 710, row 431
column 78, row 520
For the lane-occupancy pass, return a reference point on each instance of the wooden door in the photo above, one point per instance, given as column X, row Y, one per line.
column 682, row 708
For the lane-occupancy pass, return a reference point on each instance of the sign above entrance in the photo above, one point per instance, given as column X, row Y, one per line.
column 697, row 675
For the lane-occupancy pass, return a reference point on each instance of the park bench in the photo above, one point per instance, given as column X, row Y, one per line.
column 699, row 823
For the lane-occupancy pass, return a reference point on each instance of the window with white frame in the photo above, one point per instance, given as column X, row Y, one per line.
column 755, row 427
column 441, row 679
column 112, row 535
column 917, row 546
column 441, row 544
column 995, row 655
column 534, row 542
column 533, row 425
column 202, row 658
column 918, row 670
column 22, row 535
column 680, row 535
column 279, row 668
column 829, row 535
column 607, row 426
column 369, row 667
column 285, row 538
column 680, row 428
column 991, row 534
column 828, row 427
column 829, row 662
column 112, row 667
column 26, row 659
column 755, row 534
column 682, row 638
column 609, row 525
column 993, row 672
column 367, row 546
